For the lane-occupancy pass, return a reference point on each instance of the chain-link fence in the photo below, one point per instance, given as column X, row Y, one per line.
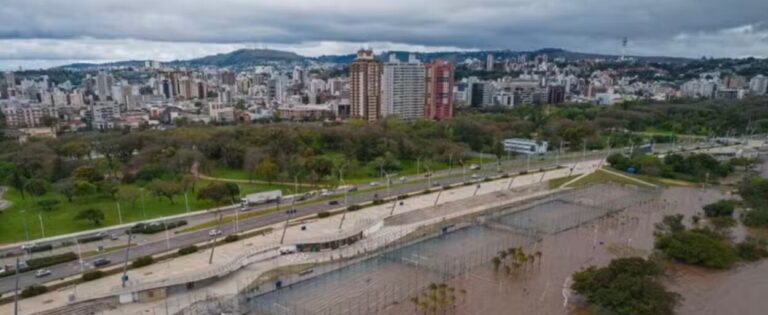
column 406, row 267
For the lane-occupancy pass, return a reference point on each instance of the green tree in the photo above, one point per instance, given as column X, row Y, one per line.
column 627, row 286
column 109, row 187
column 722, row 208
column 697, row 247
column 87, row 173
column 84, row 188
column 164, row 188
column 219, row 192
column 95, row 216
column 66, row 188
column 129, row 194
column 670, row 224
column 267, row 169
column 48, row 204
column 37, row 187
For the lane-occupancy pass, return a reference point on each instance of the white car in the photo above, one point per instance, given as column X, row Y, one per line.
column 374, row 184
column 42, row 273
column 214, row 232
column 474, row 167
column 475, row 176
column 402, row 179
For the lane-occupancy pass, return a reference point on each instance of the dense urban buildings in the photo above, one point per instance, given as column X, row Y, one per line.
column 406, row 86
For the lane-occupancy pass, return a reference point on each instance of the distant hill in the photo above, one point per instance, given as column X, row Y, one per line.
column 244, row 58
column 458, row 56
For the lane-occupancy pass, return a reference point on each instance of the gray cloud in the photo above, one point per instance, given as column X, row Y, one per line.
column 675, row 27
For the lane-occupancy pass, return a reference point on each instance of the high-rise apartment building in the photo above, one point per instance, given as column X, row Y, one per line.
column 103, row 85
column 438, row 103
column 489, row 62
column 759, row 84
column 402, row 89
column 365, row 81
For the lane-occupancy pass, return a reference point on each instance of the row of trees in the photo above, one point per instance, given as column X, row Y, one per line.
column 694, row 167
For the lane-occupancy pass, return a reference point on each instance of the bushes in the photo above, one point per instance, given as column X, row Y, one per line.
column 722, row 208
column 402, row 197
column 756, row 218
column 626, row 286
column 33, row 290
column 378, row 201
column 152, row 228
column 323, row 214
column 697, row 247
column 187, row 250
column 37, row 263
column 142, row 262
column 753, row 249
column 354, row 207
column 92, row 275
column 231, row 238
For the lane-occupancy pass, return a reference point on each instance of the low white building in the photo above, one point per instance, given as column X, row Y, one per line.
column 525, row 146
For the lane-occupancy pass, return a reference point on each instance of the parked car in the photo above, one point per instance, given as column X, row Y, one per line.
column 352, row 189
column 114, row 237
column 475, row 176
column 214, row 232
column 374, row 184
column 42, row 273
column 333, row 203
column 402, row 179
column 474, row 167
column 101, row 262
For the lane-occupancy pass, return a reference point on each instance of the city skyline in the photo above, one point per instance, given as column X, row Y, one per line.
column 43, row 34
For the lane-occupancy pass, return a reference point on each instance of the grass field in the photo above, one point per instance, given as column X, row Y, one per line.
column 26, row 212
column 602, row 177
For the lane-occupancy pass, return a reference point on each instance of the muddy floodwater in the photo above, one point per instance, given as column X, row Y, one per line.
column 560, row 236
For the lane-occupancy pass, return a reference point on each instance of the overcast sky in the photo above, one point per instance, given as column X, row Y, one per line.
column 38, row 33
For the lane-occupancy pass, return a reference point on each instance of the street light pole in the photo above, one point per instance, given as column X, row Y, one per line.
column 124, row 278
column 143, row 208
column 26, row 229
column 119, row 213
column 186, row 201
column 42, row 228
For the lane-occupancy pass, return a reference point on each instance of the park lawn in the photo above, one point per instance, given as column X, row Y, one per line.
column 61, row 219
column 557, row 182
column 602, row 177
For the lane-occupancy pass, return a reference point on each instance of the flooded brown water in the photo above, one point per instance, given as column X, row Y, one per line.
column 541, row 287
